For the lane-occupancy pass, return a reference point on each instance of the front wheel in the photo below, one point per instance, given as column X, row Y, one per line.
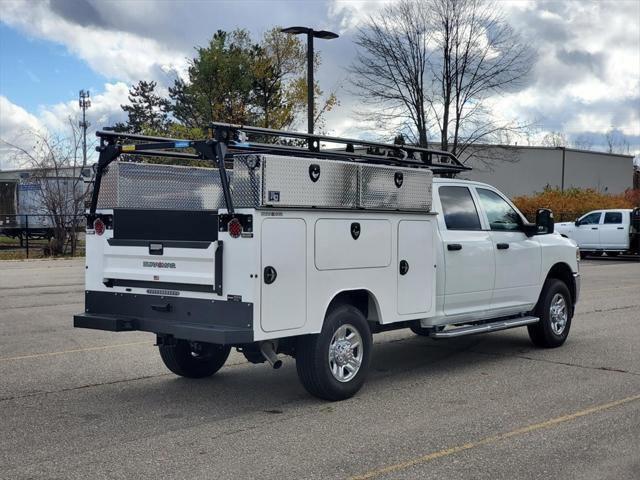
column 555, row 310
column 194, row 359
column 333, row 364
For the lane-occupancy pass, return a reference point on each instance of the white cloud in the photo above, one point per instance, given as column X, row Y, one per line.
column 115, row 54
column 15, row 125
column 105, row 109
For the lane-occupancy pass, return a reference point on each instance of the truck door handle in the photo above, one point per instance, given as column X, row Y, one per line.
column 620, row 228
column 454, row 246
column 502, row 246
column 594, row 228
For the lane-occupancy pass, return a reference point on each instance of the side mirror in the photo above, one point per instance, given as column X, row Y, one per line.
column 577, row 222
column 544, row 221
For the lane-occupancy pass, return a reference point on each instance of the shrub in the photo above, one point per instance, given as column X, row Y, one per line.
column 574, row 202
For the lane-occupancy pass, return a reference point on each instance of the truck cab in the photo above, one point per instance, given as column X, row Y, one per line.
column 601, row 231
column 284, row 250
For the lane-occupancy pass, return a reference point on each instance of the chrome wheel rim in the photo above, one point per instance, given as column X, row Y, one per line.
column 345, row 353
column 558, row 314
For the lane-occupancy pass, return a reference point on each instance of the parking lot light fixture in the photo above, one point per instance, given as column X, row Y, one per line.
column 311, row 33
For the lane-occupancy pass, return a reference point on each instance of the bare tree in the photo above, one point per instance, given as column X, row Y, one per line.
column 435, row 63
column 555, row 139
column 391, row 68
column 583, row 142
column 57, row 164
column 616, row 141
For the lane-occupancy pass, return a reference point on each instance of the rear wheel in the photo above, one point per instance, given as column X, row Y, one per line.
column 555, row 310
column 194, row 359
column 333, row 364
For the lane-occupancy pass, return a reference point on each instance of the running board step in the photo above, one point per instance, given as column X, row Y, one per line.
column 485, row 327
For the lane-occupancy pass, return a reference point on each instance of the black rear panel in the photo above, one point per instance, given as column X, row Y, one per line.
column 180, row 225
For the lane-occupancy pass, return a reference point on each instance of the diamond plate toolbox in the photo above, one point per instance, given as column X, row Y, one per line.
column 143, row 185
column 395, row 188
column 309, row 182
column 267, row 180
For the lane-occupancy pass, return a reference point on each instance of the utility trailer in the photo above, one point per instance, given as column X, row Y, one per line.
column 21, row 212
column 307, row 251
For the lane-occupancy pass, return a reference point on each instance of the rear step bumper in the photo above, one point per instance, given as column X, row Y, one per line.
column 212, row 321
column 485, row 327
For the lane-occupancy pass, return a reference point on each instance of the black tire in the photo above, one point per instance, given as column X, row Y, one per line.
column 312, row 356
column 544, row 333
column 194, row 360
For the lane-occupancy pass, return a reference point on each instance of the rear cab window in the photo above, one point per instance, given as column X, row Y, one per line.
column 458, row 208
column 613, row 217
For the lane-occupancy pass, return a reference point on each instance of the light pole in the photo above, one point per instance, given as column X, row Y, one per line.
column 311, row 33
column 84, row 101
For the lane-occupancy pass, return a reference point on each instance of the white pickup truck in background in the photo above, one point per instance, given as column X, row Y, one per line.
column 611, row 231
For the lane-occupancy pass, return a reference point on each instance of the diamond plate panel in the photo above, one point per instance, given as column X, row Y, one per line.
column 288, row 181
column 378, row 189
column 141, row 185
column 246, row 181
column 108, row 197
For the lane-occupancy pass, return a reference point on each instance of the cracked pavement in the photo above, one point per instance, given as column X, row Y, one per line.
column 92, row 404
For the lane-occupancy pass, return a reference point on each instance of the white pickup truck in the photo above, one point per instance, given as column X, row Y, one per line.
column 614, row 231
column 308, row 252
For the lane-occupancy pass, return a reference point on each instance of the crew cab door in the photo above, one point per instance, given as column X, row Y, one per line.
column 614, row 230
column 468, row 253
column 587, row 232
column 518, row 258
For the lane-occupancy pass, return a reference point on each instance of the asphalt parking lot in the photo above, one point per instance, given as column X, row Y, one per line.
column 91, row 404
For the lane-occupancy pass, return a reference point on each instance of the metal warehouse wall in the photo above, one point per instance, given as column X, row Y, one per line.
column 602, row 171
column 525, row 170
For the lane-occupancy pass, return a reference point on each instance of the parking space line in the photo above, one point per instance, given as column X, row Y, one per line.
column 494, row 439
column 77, row 350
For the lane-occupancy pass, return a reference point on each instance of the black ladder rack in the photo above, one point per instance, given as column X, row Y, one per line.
column 228, row 139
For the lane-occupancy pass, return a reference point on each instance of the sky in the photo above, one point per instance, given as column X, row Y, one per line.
column 584, row 82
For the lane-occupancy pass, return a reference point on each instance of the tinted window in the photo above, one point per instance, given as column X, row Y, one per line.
column 591, row 219
column 500, row 214
column 613, row 217
column 458, row 208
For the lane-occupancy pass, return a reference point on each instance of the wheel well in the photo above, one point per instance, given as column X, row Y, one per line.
column 563, row 272
column 363, row 300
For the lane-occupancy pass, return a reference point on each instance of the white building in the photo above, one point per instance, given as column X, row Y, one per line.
column 522, row 170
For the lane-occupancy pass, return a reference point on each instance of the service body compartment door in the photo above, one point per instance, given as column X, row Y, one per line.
column 416, row 271
column 284, row 274
column 342, row 244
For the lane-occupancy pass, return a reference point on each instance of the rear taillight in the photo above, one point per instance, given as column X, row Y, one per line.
column 235, row 228
column 98, row 226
